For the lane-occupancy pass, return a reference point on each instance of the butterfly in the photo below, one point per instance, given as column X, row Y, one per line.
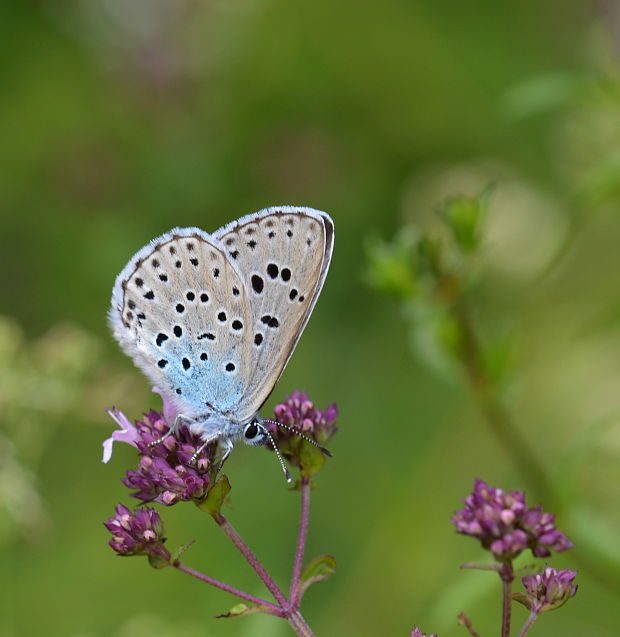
column 212, row 319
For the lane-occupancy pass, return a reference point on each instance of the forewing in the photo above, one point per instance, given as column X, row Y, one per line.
column 282, row 255
column 180, row 310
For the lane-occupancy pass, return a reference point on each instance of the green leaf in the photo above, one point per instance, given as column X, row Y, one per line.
column 317, row 570
column 435, row 338
column 391, row 265
column 157, row 561
column 601, row 183
column 311, row 459
column 243, row 609
column 464, row 216
column 522, row 598
column 216, row 497
column 543, row 94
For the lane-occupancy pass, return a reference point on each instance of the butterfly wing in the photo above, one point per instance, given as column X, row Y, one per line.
column 180, row 310
column 282, row 255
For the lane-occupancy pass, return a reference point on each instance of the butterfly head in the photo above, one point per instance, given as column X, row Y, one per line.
column 255, row 432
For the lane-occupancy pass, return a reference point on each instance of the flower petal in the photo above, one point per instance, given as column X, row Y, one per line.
column 127, row 433
column 170, row 411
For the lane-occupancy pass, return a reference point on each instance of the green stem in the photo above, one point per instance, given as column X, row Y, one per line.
column 515, row 445
column 498, row 418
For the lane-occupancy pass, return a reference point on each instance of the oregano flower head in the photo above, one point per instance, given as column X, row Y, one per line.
column 505, row 526
column 298, row 413
column 166, row 472
column 548, row 590
column 297, row 410
column 139, row 532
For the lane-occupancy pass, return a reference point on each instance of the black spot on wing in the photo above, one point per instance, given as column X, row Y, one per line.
column 161, row 337
column 257, row 283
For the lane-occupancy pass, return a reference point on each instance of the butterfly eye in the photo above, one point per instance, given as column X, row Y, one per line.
column 251, row 430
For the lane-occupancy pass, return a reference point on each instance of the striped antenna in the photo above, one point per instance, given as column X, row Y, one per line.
column 327, row 452
column 275, row 448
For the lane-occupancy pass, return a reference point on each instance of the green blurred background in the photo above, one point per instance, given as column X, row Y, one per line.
column 120, row 119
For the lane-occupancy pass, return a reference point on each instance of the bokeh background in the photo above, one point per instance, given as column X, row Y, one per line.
column 120, row 120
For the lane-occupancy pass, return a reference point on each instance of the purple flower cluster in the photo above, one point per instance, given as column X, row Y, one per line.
column 540, row 525
column 505, row 526
column 416, row 632
column 297, row 414
column 298, row 411
column 139, row 532
column 549, row 589
column 165, row 473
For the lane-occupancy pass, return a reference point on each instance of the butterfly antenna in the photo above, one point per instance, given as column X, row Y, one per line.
column 327, row 452
column 275, row 448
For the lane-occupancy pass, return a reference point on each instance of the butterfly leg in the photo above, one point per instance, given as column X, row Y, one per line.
column 226, row 444
column 178, row 421
column 207, row 442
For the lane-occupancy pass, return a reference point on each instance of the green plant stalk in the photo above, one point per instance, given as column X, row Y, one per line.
column 497, row 416
column 506, row 432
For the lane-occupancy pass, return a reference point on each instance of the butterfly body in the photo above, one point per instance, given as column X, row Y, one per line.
column 212, row 319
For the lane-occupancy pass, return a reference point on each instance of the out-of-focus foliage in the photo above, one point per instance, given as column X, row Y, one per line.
column 120, row 120
column 42, row 382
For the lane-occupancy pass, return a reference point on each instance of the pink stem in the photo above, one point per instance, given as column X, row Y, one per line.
column 528, row 624
column 298, row 624
column 507, row 575
column 465, row 621
column 301, row 541
column 272, row 609
column 252, row 560
column 286, row 608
